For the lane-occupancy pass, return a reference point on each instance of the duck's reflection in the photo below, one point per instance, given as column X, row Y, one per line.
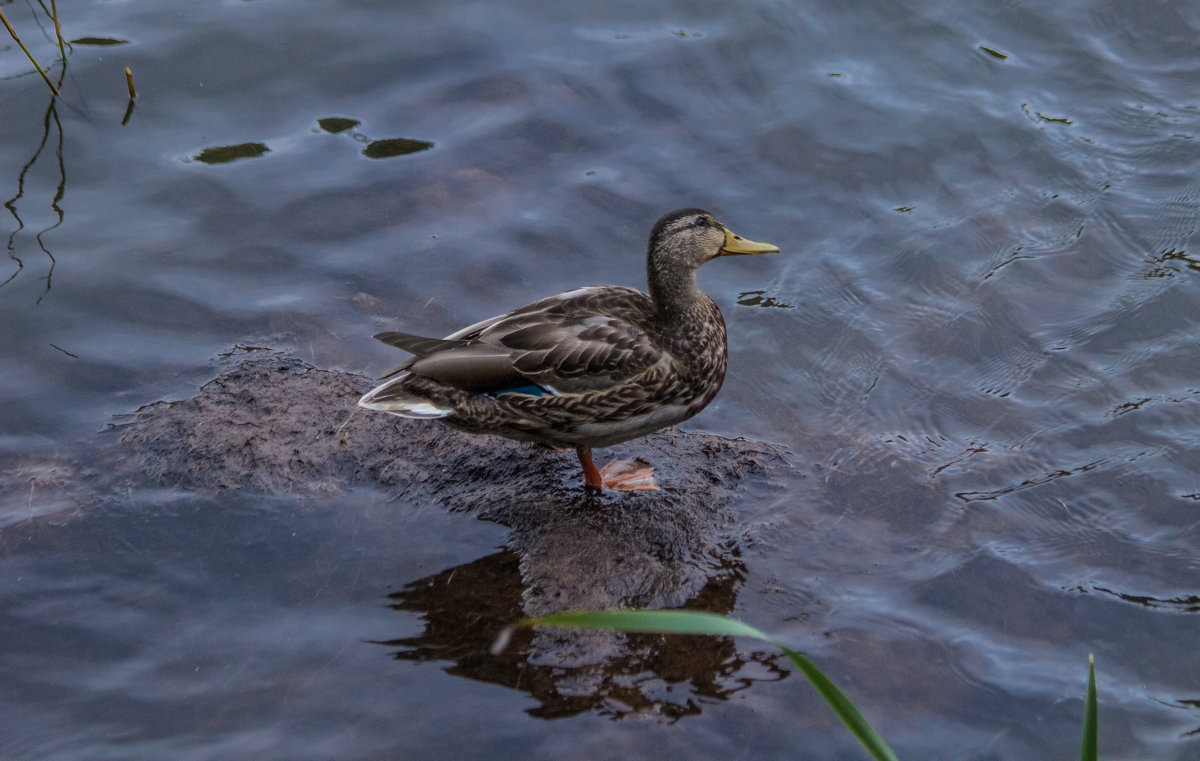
column 569, row 671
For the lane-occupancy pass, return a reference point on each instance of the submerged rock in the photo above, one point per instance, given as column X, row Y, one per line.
column 272, row 423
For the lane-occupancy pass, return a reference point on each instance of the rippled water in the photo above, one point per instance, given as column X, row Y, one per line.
column 980, row 345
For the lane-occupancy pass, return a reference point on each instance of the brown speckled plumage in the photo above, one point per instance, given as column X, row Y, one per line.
column 588, row 368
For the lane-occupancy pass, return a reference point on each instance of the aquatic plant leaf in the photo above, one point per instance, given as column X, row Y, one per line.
column 1090, row 748
column 697, row 622
column 99, row 41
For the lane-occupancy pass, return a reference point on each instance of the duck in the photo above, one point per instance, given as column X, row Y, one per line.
column 585, row 369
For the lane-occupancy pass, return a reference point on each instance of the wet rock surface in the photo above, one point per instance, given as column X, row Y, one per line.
column 272, row 423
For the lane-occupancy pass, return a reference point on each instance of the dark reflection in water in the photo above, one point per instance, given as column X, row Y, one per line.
column 761, row 299
column 1193, row 705
column 1172, row 262
column 1028, row 483
column 50, row 125
column 1184, row 604
column 464, row 609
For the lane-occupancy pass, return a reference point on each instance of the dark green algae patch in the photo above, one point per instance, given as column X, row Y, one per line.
column 395, row 146
column 334, row 125
column 375, row 149
column 98, row 41
column 227, row 153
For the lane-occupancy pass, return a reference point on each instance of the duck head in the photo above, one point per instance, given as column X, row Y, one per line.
column 687, row 238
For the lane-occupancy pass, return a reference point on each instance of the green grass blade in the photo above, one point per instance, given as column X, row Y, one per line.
column 649, row 621
column 1090, row 716
column 841, row 706
column 696, row 622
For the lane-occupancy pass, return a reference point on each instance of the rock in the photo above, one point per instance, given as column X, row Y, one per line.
column 272, row 423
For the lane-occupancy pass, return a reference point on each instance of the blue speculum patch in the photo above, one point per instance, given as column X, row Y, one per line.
column 530, row 390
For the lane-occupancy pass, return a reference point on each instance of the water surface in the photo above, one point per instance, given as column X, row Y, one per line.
column 980, row 345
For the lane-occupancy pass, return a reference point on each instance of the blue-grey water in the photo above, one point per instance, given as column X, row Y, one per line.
column 981, row 345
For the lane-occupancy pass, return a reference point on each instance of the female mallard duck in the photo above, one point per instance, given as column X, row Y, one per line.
column 591, row 367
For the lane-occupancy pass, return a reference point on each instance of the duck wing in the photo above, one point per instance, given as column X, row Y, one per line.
column 584, row 340
column 469, row 365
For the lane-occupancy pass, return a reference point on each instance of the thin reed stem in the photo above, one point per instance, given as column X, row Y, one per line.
column 25, row 50
column 62, row 48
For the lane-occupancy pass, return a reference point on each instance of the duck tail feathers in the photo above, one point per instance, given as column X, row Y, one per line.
column 391, row 397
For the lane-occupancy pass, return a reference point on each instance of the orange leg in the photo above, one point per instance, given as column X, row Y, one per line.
column 591, row 476
column 618, row 475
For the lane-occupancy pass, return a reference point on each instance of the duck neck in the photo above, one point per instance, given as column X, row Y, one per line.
column 675, row 294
